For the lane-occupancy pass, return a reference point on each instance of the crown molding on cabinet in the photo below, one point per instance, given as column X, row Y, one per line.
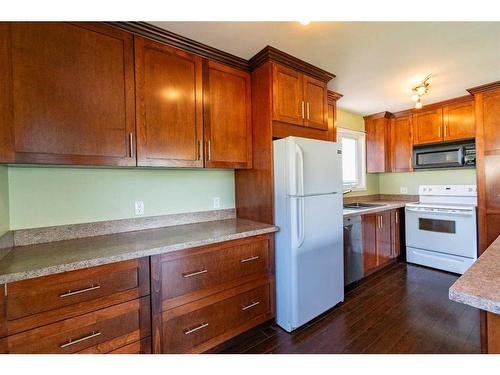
column 431, row 106
column 147, row 30
column 333, row 96
column 269, row 53
column 379, row 115
column 487, row 87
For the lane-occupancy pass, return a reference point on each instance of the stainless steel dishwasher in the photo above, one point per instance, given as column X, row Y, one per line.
column 353, row 249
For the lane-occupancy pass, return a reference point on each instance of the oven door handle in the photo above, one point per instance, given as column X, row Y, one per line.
column 455, row 213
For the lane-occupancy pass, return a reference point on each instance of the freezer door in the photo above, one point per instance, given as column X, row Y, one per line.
column 314, row 167
column 317, row 277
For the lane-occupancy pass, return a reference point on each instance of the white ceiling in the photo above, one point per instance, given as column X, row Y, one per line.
column 376, row 63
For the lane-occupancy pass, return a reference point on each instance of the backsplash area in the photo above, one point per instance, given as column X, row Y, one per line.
column 48, row 196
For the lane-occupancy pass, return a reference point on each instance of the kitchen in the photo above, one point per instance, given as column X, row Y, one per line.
column 160, row 194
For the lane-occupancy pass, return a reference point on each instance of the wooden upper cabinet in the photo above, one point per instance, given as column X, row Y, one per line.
column 228, row 121
column 490, row 116
column 288, row 95
column 401, row 144
column 315, row 99
column 169, row 106
column 377, row 143
column 69, row 94
column 459, row 121
column 428, row 126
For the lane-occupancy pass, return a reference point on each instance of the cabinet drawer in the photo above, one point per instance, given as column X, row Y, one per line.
column 213, row 265
column 188, row 327
column 43, row 300
column 103, row 328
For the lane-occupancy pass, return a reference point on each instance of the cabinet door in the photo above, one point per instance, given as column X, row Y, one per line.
column 459, row 121
column 396, row 233
column 401, row 144
column 369, row 229
column 70, row 94
column 169, row 106
column 490, row 112
column 228, row 121
column 384, row 238
column 376, row 145
column 428, row 127
column 315, row 98
column 288, row 103
column 332, row 130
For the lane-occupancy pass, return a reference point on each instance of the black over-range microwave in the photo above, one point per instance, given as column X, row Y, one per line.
column 445, row 155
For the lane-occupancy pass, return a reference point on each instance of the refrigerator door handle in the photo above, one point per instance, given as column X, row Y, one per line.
column 300, row 170
column 313, row 195
column 300, row 217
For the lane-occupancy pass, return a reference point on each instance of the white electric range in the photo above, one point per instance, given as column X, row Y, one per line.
column 441, row 230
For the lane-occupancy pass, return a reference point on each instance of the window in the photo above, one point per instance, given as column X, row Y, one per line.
column 353, row 158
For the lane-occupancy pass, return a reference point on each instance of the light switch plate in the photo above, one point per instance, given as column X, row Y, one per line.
column 139, row 208
column 403, row 190
column 216, row 202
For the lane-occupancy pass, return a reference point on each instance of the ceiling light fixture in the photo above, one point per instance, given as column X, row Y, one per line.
column 419, row 91
column 304, row 22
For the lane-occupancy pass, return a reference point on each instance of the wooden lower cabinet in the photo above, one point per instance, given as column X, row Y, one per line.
column 381, row 239
column 96, row 310
column 203, row 296
column 493, row 333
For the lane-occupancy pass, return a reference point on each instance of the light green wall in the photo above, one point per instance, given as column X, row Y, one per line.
column 4, row 200
column 44, row 196
column 390, row 183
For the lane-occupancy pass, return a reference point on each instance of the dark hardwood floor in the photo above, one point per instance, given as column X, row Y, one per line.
column 402, row 309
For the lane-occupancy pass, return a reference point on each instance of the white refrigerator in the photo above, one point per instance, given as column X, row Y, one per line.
column 309, row 245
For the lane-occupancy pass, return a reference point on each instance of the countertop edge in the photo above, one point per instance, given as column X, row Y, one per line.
column 52, row 270
column 388, row 205
column 474, row 301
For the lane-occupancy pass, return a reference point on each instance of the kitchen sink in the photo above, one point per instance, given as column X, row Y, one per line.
column 361, row 206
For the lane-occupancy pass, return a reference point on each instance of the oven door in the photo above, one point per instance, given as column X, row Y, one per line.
column 442, row 230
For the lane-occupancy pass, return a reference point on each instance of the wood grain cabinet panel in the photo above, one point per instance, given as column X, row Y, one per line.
column 228, row 117
column 316, row 107
column 396, row 232
column 169, row 106
column 493, row 327
column 458, row 121
column 70, row 94
column 369, row 231
column 43, row 300
column 428, row 126
column 190, row 328
column 384, row 237
column 99, row 331
column 377, row 144
column 288, row 95
column 491, row 121
column 401, row 144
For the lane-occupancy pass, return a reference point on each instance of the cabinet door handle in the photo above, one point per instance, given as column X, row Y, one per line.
column 302, row 106
column 188, row 331
column 209, row 150
column 73, row 342
column 130, row 143
column 72, row 293
column 199, row 150
column 307, row 106
column 249, row 259
column 397, row 217
column 439, row 132
column 253, row 304
column 195, row 273
column 445, row 131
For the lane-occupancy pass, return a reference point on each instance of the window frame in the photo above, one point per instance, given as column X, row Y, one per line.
column 360, row 138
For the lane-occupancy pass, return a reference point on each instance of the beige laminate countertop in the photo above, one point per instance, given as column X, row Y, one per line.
column 25, row 262
column 479, row 286
column 387, row 205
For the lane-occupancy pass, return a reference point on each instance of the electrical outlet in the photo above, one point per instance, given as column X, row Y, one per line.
column 216, row 202
column 403, row 190
column 139, row 208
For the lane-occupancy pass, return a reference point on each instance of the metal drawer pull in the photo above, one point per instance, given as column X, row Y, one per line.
column 71, row 293
column 253, row 304
column 249, row 259
column 201, row 326
column 195, row 273
column 73, row 342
